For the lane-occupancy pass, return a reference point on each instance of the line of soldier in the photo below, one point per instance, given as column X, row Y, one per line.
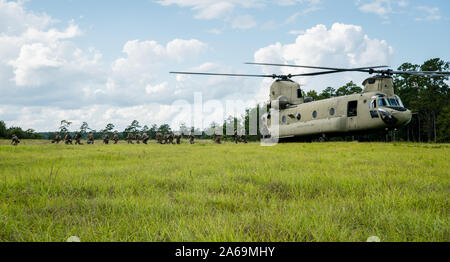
column 169, row 138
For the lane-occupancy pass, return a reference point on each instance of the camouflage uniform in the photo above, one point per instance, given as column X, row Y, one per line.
column 192, row 138
column 130, row 138
column 68, row 139
column 244, row 139
column 106, row 139
column 178, row 138
column 91, row 139
column 14, row 140
column 159, row 138
column 138, row 138
column 236, row 136
column 145, row 138
column 77, row 139
column 217, row 139
column 116, row 138
column 57, row 139
column 170, row 138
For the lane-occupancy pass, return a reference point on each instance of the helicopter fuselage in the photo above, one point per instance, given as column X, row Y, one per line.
column 377, row 107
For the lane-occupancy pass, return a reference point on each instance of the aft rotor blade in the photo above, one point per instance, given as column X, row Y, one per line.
column 319, row 67
column 413, row 73
column 423, row 73
column 216, row 74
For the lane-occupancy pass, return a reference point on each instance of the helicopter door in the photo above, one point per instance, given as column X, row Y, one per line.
column 352, row 113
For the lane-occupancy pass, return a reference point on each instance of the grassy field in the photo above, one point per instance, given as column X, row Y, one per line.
column 206, row 192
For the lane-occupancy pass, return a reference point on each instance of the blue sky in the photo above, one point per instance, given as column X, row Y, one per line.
column 65, row 59
column 109, row 24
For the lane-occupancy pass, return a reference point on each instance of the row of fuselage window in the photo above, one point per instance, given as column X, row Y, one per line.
column 314, row 115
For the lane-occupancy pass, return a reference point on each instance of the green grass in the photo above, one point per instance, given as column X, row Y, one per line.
column 207, row 192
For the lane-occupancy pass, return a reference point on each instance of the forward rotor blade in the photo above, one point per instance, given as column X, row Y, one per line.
column 317, row 73
column 216, row 74
column 319, row 67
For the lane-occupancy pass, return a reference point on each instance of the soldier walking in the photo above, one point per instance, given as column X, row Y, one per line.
column 159, row 138
column 171, row 137
column 130, row 138
column 77, row 139
column 106, row 139
column 57, row 139
column 115, row 138
column 68, row 139
column 91, row 139
column 15, row 140
column 138, row 138
column 192, row 138
column 166, row 139
column 217, row 138
column 236, row 136
column 145, row 138
column 178, row 138
column 244, row 139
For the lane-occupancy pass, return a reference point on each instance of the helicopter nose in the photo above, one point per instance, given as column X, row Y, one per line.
column 404, row 118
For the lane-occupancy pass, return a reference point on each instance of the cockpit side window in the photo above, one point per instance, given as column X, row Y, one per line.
column 382, row 102
column 399, row 101
column 373, row 104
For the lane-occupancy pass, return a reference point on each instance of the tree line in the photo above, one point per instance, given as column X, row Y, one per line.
column 22, row 134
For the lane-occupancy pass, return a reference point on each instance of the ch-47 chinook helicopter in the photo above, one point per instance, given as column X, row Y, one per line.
column 292, row 116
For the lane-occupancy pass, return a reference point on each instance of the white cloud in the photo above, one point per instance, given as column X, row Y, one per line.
column 215, row 31
column 292, row 18
column 381, row 8
column 39, row 64
column 226, row 9
column 215, row 87
column 143, row 57
column 293, row 2
column 243, row 22
column 135, row 73
column 157, row 88
column 296, row 32
column 213, row 9
column 429, row 13
column 180, row 49
column 340, row 46
column 14, row 19
column 402, row 3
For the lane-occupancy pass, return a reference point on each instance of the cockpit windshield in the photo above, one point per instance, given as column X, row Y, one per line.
column 385, row 101
column 382, row 101
column 393, row 102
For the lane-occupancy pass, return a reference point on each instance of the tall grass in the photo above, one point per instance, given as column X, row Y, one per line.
column 207, row 192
